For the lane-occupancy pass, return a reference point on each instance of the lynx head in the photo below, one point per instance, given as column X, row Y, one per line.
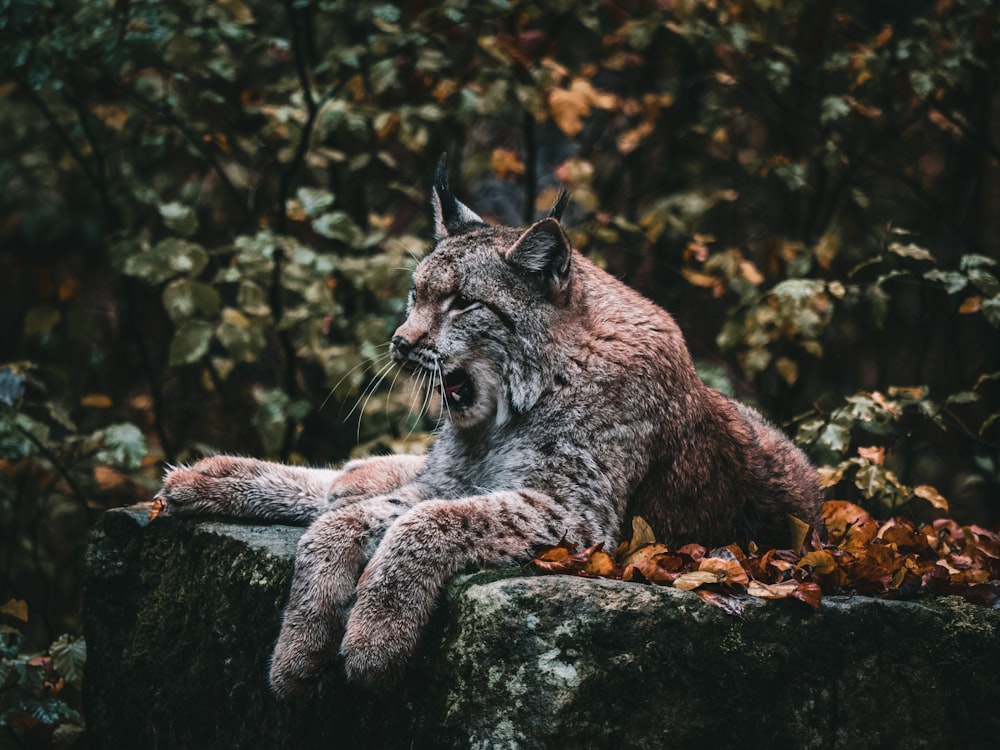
column 480, row 311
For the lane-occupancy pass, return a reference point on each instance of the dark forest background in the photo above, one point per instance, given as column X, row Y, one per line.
column 208, row 211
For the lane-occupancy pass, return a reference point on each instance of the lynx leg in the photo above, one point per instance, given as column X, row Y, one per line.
column 330, row 556
column 378, row 475
column 249, row 489
column 399, row 588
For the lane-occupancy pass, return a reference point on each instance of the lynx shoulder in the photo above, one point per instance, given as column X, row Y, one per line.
column 571, row 405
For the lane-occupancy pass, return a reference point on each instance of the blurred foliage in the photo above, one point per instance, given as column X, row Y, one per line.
column 209, row 211
column 37, row 690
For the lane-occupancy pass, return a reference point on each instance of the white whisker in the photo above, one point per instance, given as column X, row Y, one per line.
column 444, row 394
column 369, row 390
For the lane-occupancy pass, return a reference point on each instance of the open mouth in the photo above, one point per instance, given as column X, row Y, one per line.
column 457, row 390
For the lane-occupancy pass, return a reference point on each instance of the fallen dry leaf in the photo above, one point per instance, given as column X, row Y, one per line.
column 897, row 558
column 157, row 508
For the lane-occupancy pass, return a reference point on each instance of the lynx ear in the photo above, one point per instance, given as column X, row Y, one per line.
column 451, row 216
column 562, row 201
column 543, row 249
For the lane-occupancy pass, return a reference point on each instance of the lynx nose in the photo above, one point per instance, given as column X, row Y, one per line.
column 402, row 345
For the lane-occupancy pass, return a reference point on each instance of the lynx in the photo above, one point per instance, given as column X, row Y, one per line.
column 571, row 404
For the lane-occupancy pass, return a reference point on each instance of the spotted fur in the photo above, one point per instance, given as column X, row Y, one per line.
column 571, row 405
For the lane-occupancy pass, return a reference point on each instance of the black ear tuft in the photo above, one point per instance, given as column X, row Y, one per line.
column 562, row 201
column 543, row 250
column 451, row 216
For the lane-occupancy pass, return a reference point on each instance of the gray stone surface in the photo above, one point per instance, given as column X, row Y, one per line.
column 181, row 617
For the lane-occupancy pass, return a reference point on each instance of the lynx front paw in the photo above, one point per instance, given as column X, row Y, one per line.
column 377, row 645
column 385, row 624
column 297, row 666
column 210, row 486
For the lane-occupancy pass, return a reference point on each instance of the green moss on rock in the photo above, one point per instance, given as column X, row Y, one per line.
column 181, row 618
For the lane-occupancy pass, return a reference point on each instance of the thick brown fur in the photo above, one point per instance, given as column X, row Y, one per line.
column 571, row 405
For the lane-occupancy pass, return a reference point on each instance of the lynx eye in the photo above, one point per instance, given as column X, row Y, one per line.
column 459, row 303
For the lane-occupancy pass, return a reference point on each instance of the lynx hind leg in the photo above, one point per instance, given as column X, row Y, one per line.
column 329, row 559
column 378, row 475
column 247, row 488
column 792, row 483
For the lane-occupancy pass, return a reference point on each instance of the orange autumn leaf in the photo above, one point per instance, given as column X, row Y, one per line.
column 897, row 558
column 971, row 305
column 875, row 454
column 156, row 509
column 505, row 163
column 727, row 571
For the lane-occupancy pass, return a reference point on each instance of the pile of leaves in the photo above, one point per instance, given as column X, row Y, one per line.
column 894, row 559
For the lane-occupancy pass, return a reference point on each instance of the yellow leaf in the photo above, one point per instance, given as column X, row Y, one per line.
column 16, row 608
column 931, row 495
column 798, row 530
column 642, row 533
column 599, row 564
column 915, row 392
column 239, row 11
column 772, row 590
column 570, row 106
column 96, row 401
column 691, row 581
column 820, row 560
column 568, row 110
column 830, row 475
column 505, row 163
column 787, row 369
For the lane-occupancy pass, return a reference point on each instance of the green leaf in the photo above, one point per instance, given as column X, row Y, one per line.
column 972, row 260
column 123, row 445
column 243, row 338
column 963, row 397
column 984, row 281
column 870, row 479
column 51, row 711
column 809, row 430
column 41, row 319
column 953, row 281
column 252, row 299
column 171, row 257
column 183, row 299
column 190, row 342
column 314, row 200
column 383, row 75
column 833, row 108
column 799, row 290
column 68, row 657
column 337, row 225
column 922, row 83
column 179, row 218
column 835, row 436
column 991, row 311
column 11, row 386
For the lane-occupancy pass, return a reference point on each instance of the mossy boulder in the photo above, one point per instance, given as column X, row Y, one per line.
column 181, row 618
